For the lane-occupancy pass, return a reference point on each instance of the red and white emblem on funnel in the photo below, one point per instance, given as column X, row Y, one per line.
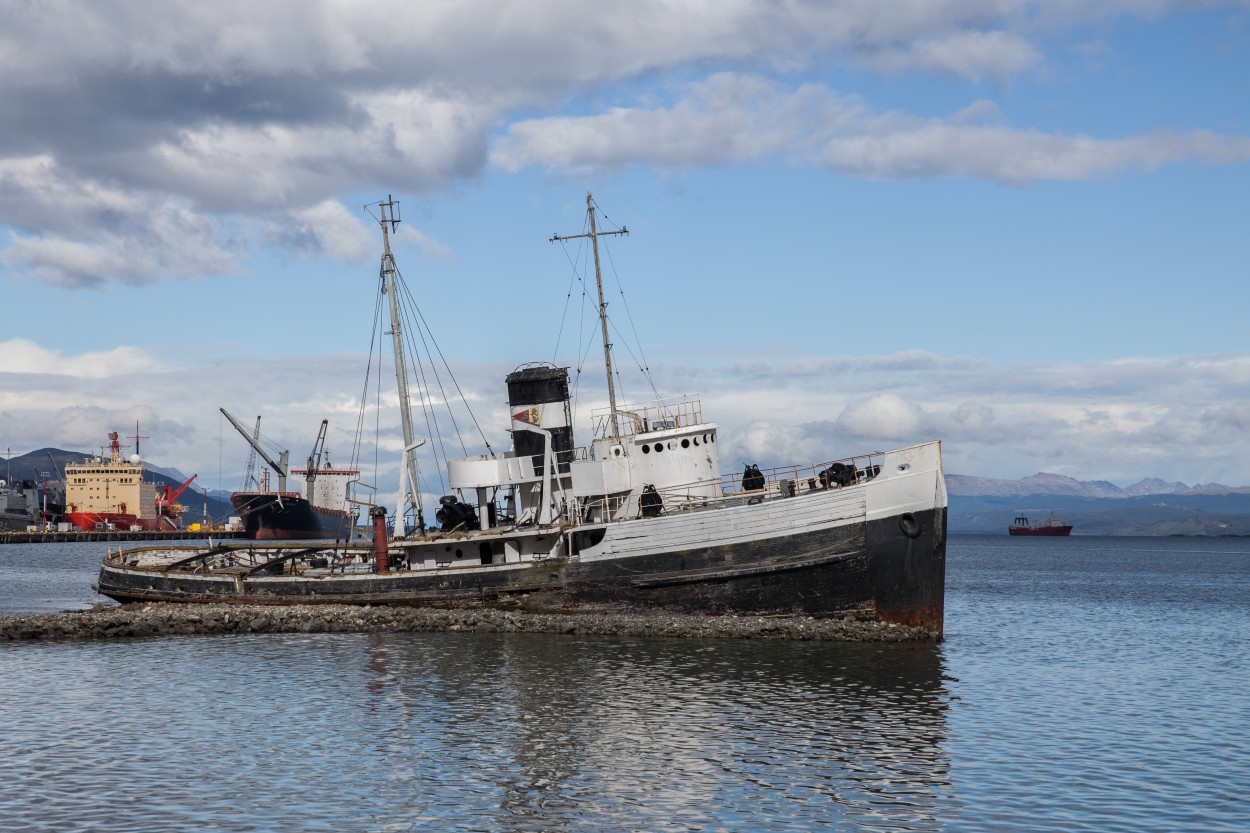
column 530, row 415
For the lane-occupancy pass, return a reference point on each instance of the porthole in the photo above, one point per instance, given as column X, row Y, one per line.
column 685, row 443
column 696, row 440
column 659, row 447
column 646, row 449
column 459, row 553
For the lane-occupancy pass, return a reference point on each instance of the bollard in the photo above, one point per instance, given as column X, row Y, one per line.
column 381, row 564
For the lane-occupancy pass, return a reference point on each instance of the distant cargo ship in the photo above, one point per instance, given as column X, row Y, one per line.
column 110, row 493
column 1052, row 526
column 274, row 516
column 321, row 512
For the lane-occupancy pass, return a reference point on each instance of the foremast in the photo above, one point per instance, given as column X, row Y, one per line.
column 388, row 218
column 594, row 235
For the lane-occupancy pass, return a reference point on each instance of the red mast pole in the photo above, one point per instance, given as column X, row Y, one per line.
column 381, row 563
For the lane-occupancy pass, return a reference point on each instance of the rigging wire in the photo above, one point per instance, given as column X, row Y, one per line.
column 585, row 337
column 625, row 344
column 417, row 327
column 433, row 429
column 425, row 329
column 418, row 339
column 643, row 365
column 581, row 276
column 575, row 278
column 362, row 414
column 364, row 393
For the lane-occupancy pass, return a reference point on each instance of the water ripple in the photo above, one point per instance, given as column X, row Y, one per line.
column 1094, row 686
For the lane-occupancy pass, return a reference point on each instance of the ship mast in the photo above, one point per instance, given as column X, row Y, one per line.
column 388, row 219
column 603, row 306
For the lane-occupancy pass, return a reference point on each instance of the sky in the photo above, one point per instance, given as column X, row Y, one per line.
column 1011, row 225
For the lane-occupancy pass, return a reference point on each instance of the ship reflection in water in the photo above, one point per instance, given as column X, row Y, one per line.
column 472, row 732
column 529, row 732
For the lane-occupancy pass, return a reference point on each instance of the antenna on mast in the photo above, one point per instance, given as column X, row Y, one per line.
column 594, row 235
column 136, row 437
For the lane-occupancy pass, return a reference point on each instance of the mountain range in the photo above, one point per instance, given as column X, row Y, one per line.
column 978, row 505
column 1044, row 483
column 983, row 505
column 48, row 464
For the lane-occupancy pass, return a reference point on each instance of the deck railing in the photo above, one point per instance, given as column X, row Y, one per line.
column 779, row 483
column 661, row 415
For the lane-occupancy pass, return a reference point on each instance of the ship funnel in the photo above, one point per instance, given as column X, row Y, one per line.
column 538, row 394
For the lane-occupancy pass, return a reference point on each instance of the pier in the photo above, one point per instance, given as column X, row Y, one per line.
column 50, row 536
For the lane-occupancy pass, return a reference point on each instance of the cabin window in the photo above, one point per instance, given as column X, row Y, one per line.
column 685, row 443
column 659, row 447
column 646, row 449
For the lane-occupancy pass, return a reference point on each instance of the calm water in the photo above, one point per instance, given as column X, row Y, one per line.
column 1086, row 684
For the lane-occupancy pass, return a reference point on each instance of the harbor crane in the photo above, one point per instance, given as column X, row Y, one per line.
column 281, row 465
column 314, row 459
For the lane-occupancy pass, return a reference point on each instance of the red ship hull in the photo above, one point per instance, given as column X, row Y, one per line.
column 89, row 521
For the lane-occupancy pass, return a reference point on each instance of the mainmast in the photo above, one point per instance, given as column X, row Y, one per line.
column 603, row 306
column 388, row 219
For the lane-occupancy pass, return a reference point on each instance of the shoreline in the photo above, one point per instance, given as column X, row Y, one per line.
column 152, row 619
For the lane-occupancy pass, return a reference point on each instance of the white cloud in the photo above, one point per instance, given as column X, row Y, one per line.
column 886, row 416
column 329, row 228
column 733, row 119
column 1182, row 419
column 425, row 244
column 83, row 233
column 1227, row 423
column 969, row 54
column 207, row 120
column 22, row 356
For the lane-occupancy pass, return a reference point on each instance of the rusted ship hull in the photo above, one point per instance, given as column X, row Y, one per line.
column 892, row 569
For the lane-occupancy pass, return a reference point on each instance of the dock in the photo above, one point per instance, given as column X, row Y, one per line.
column 51, row 536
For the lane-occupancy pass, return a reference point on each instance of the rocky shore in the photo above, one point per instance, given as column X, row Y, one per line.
column 149, row 620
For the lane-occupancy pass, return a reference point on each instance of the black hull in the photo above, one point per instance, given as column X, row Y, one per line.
column 890, row 570
column 267, row 518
